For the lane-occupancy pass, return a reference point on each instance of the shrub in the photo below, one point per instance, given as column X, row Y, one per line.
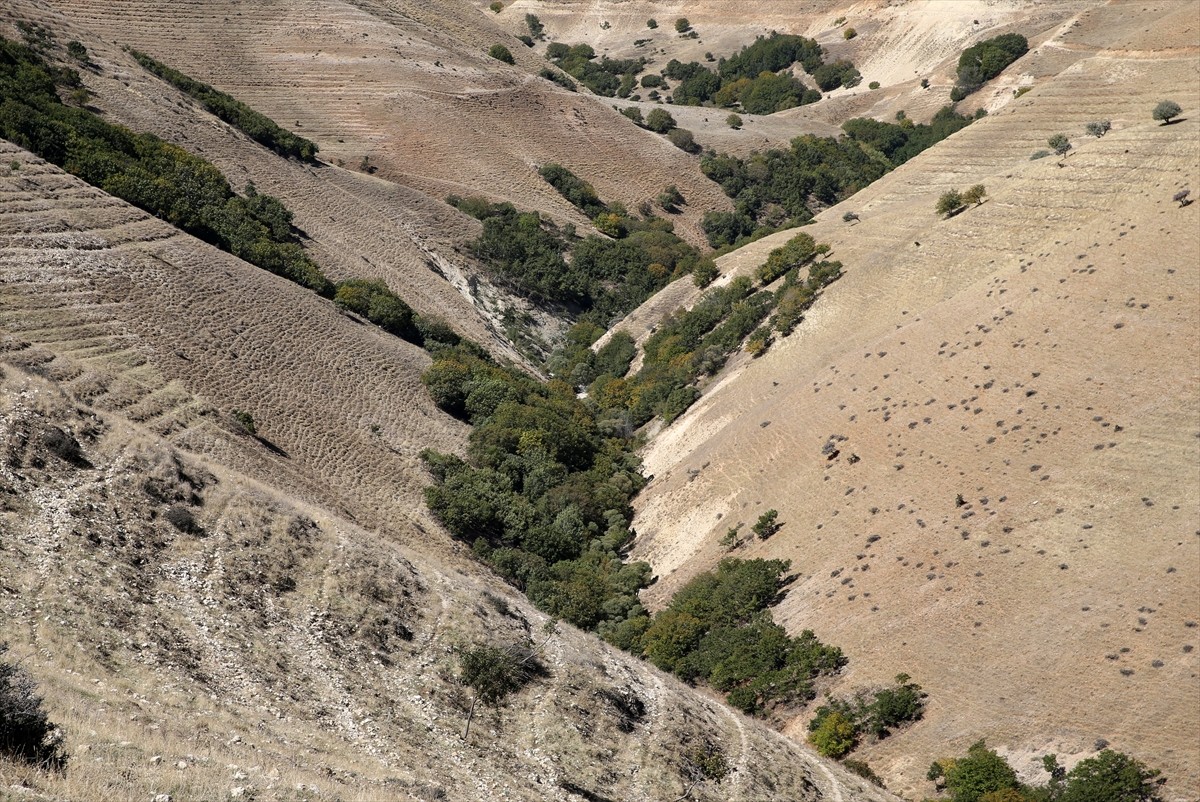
column 835, row 736
column 683, row 139
column 651, row 24
column 670, row 199
column 77, row 51
column 767, row 524
column 633, row 113
column 536, row 28
column 501, row 53
column 1098, row 128
column 1038, row 154
column 244, row 421
column 1166, row 110
column 974, row 195
column 26, row 732
column 660, row 121
column 496, row 7
column 873, row 85
column 734, row 121
column 849, row 33
column 1059, row 144
column 980, row 772
column 682, row 25
column 704, row 273
column 557, row 77
column 950, row 202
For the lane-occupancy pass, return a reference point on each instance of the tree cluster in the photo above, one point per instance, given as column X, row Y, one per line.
column 607, row 77
column 984, row 776
column 840, row 724
column 718, row 629
column 981, row 62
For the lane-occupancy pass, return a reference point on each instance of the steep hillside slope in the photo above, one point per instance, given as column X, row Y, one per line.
column 208, row 611
column 1011, row 511
column 409, row 86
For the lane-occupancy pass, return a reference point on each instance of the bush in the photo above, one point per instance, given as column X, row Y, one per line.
column 1166, row 110
column 873, row 85
column 1038, row 154
column 501, row 53
column 704, row 273
column 536, row 28
column 496, row 7
column 1059, row 144
column 1098, row 128
column 949, row 203
column 849, row 33
column 974, row 195
column 733, row 121
column 834, row 737
column 660, row 121
column 683, row 139
column 682, row 25
column 77, row 51
column 633, row 113
column 767, row 524
column 244, row 421
column 670, row 199
column 26, row 732
column 651, row 24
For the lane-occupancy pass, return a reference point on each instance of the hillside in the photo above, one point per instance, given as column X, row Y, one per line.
column 982, row 440
column 207, row 611
column 1033, row 357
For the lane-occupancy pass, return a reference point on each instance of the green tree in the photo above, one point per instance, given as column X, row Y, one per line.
column 767, row 524
column 682, row 25
column 1098, row 128
column 26, row 733
column 1166, row 110
column 501, row 53
column 651, row 24
column 77, row 51
column 733, row 121
column 974, row 195
column 683, row 139
column 1059, row 143
column 980, row 772
column 1111, row 777
column 660, row 121
column 950, row 202
column 849, row 33
column 835, row 736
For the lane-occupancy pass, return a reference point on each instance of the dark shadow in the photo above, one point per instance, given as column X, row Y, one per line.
column 1175, row 120
column 274, row 449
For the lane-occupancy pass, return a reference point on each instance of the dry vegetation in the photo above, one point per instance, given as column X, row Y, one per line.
column 208, row 611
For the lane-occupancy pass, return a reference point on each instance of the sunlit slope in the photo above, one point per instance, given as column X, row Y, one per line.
column 1035, row 356
column 410, row 87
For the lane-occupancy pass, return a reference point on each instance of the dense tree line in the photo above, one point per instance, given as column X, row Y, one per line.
column 607, row 77
column 777, row 188
column 255, row 125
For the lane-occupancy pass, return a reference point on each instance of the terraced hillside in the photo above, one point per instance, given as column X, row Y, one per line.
column 1009, row 508
column 208, row 611
column 409, row 86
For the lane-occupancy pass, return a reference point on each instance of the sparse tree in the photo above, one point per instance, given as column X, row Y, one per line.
column 733, row 121
column 850, row 217
column 501, row 53
column 495, row 673
column 1166, row 110
column 77, row 51
column 1098, row 128
column 244, row 422
column 974, row 195
column 949, row 203
column 1059, row 143
column 767, row 524
column 670, row 199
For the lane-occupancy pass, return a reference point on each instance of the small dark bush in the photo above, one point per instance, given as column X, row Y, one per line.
column 26, row 732
column 501, row 53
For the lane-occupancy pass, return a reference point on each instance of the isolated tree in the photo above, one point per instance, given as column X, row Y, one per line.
column 1166, row 110
column 849, row 217
column 705, row 272
column 849, row 33
column 1098, row 128
column 767, row 524
column 1059, row 143
column 733, row 121
column 495, row 673
column 651, row 23
column 682, row 25
column 974, row 195
column 670, row 199
column 949, row 202
column 501, row 53
column 980, row 772
column 496, row 7
column 1111, row 777
column 683, row 139
column 660, row 121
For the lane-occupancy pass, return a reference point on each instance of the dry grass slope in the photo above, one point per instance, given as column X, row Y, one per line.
column 1034, row 355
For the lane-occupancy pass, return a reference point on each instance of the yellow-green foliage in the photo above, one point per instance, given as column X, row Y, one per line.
column 835, row 736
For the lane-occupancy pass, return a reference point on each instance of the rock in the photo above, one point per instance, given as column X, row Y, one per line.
column 181, row 764
column 154, row 761
column 237, row 793
column 162, row 798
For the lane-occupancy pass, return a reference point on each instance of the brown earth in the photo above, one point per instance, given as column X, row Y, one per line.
column 1035, row 356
